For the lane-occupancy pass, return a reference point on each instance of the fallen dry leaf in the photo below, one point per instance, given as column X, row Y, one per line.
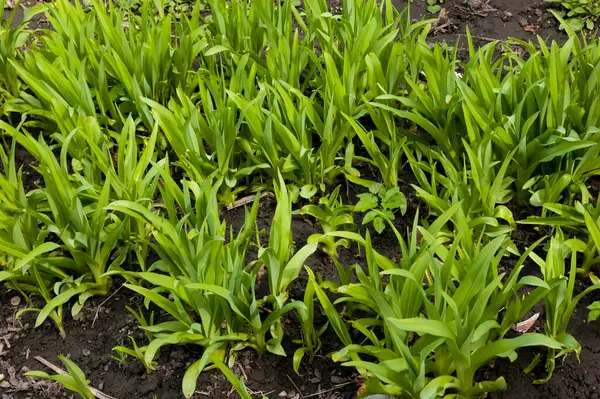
column 531, row 28
column 525, row 325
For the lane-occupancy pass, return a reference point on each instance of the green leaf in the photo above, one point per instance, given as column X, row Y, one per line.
column 394, row 199
column 298, row 355
column 594, row 309
column 190, row 377
column 308, row 191
column 59, row 300
column 336, row 321
column 74, row 371
column 294, row 266
column 424, row 326
column 236, row 382
column 503, row 347
column 434, row 9
column 534, row 282
column 215, row 50
column 379, row 224
column 36, row 252
column 437, row 387
column 367, row 201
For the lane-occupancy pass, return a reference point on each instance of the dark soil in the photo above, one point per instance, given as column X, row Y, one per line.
column 105, row 323
column 90, row 347
column 488, row 20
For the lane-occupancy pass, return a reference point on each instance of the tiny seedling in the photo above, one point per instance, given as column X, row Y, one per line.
column 380, row 205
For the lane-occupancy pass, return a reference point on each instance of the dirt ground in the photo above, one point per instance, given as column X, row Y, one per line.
column 488, row 21
column 105, row 323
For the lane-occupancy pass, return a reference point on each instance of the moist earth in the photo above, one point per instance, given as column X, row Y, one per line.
column 105, row 322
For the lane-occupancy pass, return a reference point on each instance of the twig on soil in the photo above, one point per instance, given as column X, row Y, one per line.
column 335, row 388
column 259, row 393
column 243, row 371
column 97, row 393
column 106, row 300
column 489, row 39
column 248, row 199
column 294, row 384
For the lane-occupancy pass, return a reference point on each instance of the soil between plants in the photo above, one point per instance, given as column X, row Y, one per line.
column 488, row 20
column 105, row 323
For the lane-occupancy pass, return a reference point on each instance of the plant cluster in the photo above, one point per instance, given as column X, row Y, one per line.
column 144, row 127
column 578, row 14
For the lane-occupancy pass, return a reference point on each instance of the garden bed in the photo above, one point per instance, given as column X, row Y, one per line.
column 490, row 20
column 105, row 322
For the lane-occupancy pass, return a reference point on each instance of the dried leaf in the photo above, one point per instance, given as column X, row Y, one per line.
column 526, row 325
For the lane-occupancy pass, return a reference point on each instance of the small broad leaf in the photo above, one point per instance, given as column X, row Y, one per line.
column 594, row 309
column 367, row 201
column 434, row 9
column 394, row 199
column 369, row 216
column 379, row 224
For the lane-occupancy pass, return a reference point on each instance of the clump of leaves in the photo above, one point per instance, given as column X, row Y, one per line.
column 380, row 205
column 579, row 14
column 332, row 215
column 561, row 300
column 436, row 317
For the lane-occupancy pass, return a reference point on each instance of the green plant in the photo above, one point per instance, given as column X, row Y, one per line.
column 237, row 383
column 131, row 166
column 137, row 352
column 431, row 324
column 561, row 300
column 91, row 63
column 481, row 189
column 178, row 8
column 74, row 380
column 77, row 216
column 433, row 6
column 539, row 108
column 211, row 284
column 388, row 137
column 29, row 263
column 204, row 137
column 12, row 40
column 581, row 218
column 332, row 215
column 311, row 343
column 578, row 14
column 379, row 203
